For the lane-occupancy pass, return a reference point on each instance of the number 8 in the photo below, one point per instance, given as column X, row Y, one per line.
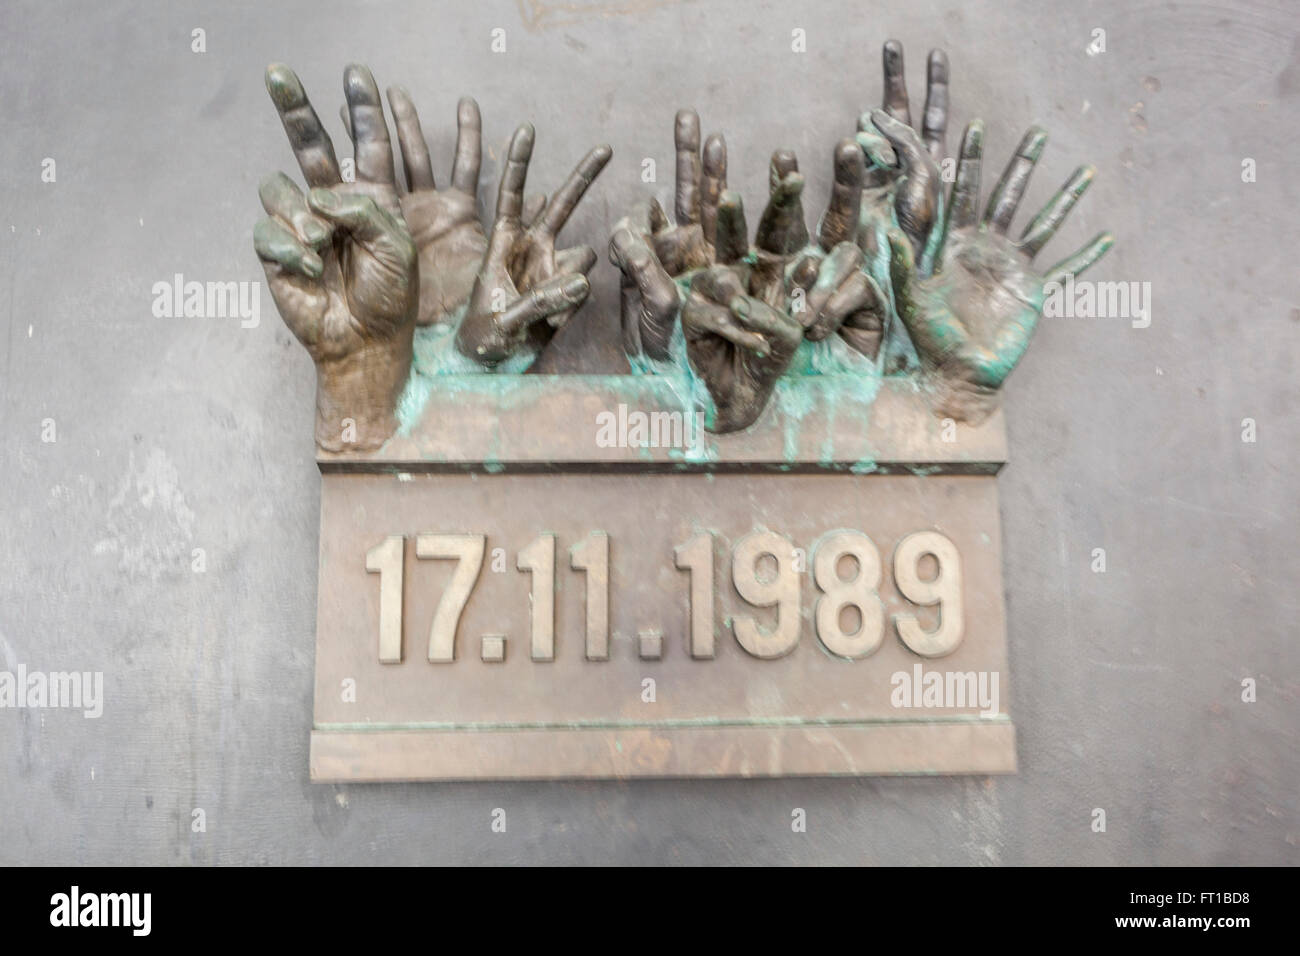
column 858, row 591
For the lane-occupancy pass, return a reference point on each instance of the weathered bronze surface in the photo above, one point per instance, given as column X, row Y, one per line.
column 809, row 436
column 355, row 265
column 971, row 319
column 341, row 265
column 823, row 423
column 352, row 266
column 532, row 661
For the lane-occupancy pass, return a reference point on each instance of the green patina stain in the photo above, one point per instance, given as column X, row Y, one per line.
column 436, row 364
column 827, row 375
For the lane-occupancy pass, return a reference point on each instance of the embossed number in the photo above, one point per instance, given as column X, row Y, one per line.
column 386, row 559
column 592, row 556
column 467, row 549
column 696, row 556
column 781, row 591
column 539, row 558
column 944, row 590
column 858, row 592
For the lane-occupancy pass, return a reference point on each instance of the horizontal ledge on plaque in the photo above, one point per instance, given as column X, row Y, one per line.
column 976, row 747
column 521, row 423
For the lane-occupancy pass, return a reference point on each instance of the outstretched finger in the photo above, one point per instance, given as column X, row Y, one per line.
column 469, row 147
column 276, row 245
column 966, row 186
column 714, row 184
column 510, row 195
column 282, row 199
column 782, row 219
column 410, row 137
column 686, row 137
column 840, row 221
column 1011, row 187
column 783, row 163
column 895, row 102
column 731, row 241
column 551, row 298
column 307, row 137
column 372, row 148
column 934, row 124
column 1083, row 259
column 567, row 197
column 1045, row 224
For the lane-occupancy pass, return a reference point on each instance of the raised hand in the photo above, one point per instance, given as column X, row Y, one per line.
column 839, row 294
column 972, row 319
column 443, row 222
column 737, row 344
column 903, row 182
column 525, row 290
column 341, row 264
column 741, row 323
column 651, row 252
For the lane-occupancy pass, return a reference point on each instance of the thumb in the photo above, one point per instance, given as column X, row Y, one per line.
column 372, row 227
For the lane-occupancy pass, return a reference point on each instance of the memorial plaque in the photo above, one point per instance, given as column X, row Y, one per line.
column 769, row 548
column 513, row 600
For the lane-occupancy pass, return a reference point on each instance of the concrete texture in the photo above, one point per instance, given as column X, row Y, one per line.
column 177, row 434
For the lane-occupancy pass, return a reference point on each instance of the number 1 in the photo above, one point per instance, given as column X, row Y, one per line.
column 696, row 556
column 539, row 558
column 386, row 559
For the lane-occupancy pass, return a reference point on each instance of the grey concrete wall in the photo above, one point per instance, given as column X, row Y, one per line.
column 177, row 434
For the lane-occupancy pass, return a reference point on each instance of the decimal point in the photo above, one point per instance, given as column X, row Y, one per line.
column 650, row 644
column 494, row 648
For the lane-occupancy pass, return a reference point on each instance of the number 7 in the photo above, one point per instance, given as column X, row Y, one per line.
column 468, row 550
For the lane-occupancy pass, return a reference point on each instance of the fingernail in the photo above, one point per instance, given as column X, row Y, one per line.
column 314, row 232
column 739, row 306
column 313, row 265
column 324, row 198
column 575, row 288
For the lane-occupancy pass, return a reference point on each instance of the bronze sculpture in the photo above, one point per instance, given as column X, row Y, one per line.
column 891, row 272
column 461, row 266
column 971, row 320
column 816, row 353
column 341, row 264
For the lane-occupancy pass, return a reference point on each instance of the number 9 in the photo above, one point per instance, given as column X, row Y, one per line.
column 782, row 591
column 944, row 590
